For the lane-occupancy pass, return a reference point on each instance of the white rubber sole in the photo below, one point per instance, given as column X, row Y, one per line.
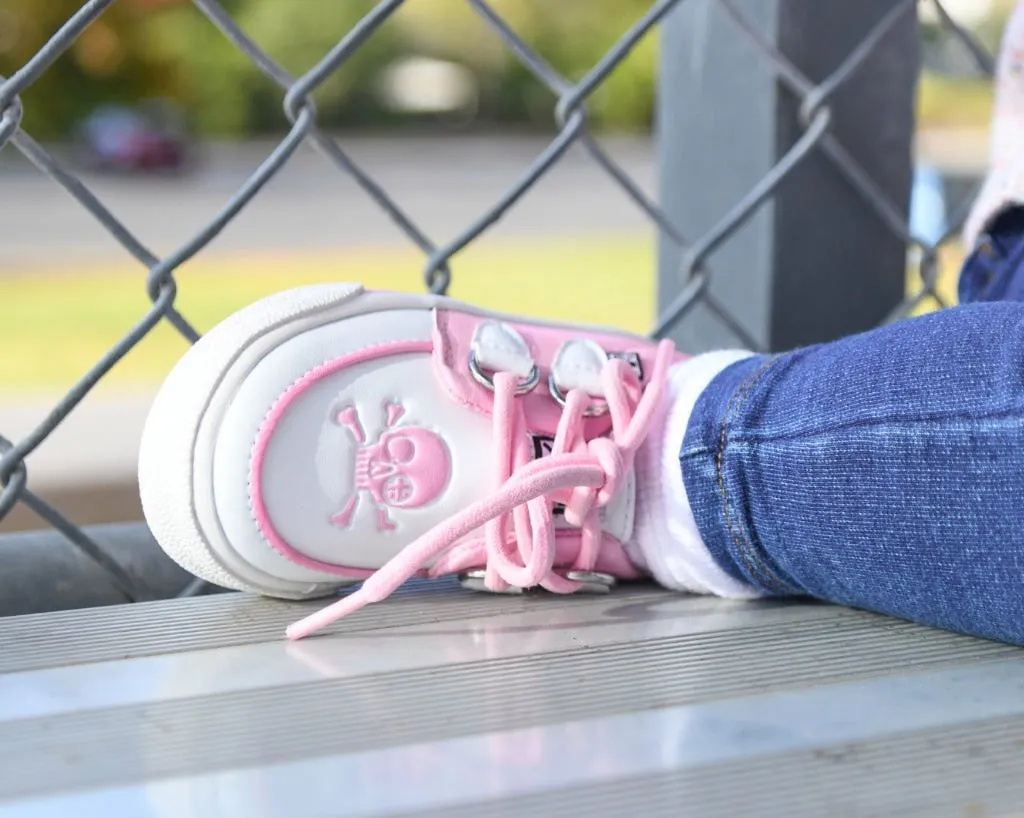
column 180, row 434
column 175, row 456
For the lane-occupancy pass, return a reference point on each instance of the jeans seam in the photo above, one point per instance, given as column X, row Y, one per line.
column 991, row 267
column 992, row 261
column 1013, row 260
column 870, row 423
column 758, row 569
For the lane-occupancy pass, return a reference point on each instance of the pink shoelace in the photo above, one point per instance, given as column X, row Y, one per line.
column 582, row 475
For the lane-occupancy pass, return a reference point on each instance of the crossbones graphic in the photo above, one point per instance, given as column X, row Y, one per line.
column 405, row 467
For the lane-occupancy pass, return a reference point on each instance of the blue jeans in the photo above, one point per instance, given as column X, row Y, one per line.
column 884, row 471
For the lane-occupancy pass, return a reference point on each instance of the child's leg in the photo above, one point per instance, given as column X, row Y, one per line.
column 994, row 271
column 884, row 471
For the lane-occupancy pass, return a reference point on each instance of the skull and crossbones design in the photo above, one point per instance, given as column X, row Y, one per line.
column 405, row 467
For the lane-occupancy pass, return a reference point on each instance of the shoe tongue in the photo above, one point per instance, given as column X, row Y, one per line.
column 577, row 363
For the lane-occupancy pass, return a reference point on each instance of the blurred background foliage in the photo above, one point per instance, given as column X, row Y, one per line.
column 144, row 49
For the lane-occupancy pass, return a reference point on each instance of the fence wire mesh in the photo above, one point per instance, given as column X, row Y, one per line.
column 570, row 115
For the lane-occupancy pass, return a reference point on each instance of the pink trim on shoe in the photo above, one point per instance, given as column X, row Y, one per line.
column 266, row 432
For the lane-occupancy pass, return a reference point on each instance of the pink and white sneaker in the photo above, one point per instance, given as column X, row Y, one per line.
column 328, row 435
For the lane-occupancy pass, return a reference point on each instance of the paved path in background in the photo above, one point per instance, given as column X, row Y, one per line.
column 443, row 184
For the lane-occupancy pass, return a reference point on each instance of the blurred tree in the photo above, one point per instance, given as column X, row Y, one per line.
column 229, row 94
column 571, row 35
column 146, row 48
column 107, row 62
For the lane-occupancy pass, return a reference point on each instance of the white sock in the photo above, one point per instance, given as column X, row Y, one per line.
column 666, row 541
column 1004, row 184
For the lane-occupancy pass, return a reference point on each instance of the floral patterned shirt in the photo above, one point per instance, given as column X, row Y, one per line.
column 1004, row 184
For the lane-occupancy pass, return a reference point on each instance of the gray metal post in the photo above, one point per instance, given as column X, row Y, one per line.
column 817, row 262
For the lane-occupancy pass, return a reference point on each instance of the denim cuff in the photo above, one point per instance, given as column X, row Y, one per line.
column 992, row 271
column 711, row 464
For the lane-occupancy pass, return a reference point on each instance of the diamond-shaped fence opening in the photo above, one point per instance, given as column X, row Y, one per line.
column 571, row 117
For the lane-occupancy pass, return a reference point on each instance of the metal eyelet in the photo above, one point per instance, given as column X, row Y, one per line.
column 593, row 582
column 474, row 581
column 527, row 384
column 597, row 408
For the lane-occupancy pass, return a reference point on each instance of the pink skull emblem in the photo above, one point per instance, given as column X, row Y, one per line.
column 406, row 467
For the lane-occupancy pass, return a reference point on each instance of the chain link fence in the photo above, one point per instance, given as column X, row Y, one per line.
column 570, row 114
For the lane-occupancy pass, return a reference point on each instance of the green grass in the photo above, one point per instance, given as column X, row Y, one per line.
column 57, row 323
